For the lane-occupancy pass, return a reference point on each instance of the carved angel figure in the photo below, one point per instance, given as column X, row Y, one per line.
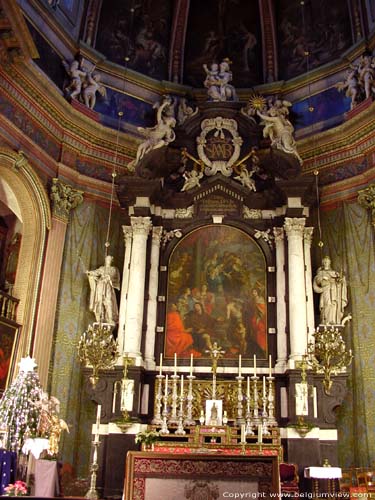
column 351, row 86
column 161, row 134
column 279, row 129
column 192, row 179
column 77, row 77
column 90, row 88
column 245, row 178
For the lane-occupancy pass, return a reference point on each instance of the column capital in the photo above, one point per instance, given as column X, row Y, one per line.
column 308, row 234
column 64, row 198
column 157, row 232
column 141, row 225
column 278, row 233
column 366, row 198
column 294, row 226
column 128, row 233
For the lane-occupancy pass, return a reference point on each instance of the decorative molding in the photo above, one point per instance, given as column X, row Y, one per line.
column 278, row 233
column 169, row 235
column 251, row 213
column 64, row 198
column 308, row 235
column 184, row 213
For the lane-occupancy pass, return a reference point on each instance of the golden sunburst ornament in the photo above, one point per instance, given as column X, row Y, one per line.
column 257, row 101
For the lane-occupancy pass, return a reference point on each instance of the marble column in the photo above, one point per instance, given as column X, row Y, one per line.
column 282, row 342
column 152, row 298
column 128, row 236
column 307, row 240
column 63, row 199
column 294, row 228
column 136, row 290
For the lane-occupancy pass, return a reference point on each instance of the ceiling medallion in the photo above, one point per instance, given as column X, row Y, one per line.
column 219, row 145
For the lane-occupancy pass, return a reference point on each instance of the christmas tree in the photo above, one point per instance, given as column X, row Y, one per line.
column 19, row 411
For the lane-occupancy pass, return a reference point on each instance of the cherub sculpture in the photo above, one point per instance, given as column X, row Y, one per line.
column 161, row 134
column 90, row 87
column 77, row 77
column 351, row 85
column 192, row 179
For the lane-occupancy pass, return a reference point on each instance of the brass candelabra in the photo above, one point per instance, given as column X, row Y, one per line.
column 98, row 349
column 328, row 353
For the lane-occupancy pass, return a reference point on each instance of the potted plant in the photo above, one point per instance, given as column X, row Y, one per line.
column 147, row 438
column 18, row 489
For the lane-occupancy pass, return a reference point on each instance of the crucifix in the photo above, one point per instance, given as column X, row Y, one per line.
column 215, row 352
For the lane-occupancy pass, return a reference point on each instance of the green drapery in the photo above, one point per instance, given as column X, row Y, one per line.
column 349, row 240
column 84, row 249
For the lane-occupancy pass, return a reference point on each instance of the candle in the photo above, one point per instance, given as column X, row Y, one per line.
column 182, row 387
column 175, row 363
column 243, row 436
column 255, row 365
column 239, row 365
column 191, row 364
column 260, row 433
column 160, row 363
column 264, row 387
column 114, row 400
column 248, row 388
column 98, row 413
column 166, row 386
column 270, row 365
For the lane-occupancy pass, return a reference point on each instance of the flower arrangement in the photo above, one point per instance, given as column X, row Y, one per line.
column 147, row 437
column 18, row 489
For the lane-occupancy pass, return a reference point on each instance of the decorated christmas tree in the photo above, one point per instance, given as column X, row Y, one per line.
column 19, row 409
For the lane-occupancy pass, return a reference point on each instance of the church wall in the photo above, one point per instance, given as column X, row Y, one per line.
column 84, row 249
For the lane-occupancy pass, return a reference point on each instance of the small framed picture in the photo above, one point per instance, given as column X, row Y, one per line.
column 214, row 412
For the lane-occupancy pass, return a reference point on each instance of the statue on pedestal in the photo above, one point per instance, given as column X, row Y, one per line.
column 217, row 82
column 331, row 285
column 103, row 282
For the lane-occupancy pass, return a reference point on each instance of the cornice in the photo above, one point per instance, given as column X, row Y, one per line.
column 350, row 140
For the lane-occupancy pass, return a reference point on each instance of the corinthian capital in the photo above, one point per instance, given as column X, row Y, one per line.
column 294, row 227
column 157, row 232
column 141, row 225
column 278, row 233
column 308, row 234
column 366, row 198
column 128, row 233
column 64, row 198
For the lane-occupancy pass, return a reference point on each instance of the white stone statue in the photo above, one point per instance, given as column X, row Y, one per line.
column 192, row 179
column 161, row 134
column 217, row 82
column 331, row 285
column 366, row 74
column 77, row 77
column 245, row 178
column 90, row 87
column 103, row 282
column 279, row 129
column 351, row 86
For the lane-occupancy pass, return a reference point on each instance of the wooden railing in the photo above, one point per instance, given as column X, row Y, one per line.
column 8, row 306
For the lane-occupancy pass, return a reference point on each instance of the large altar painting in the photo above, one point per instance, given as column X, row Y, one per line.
column 216, row 293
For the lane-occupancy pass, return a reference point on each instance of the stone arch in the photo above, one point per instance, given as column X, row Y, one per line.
column 34, row 208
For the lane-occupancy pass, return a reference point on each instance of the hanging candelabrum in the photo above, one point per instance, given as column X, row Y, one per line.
column 98, row 349
column 328, row 353
column 157, row 420
column 240, row 419
column 189, row 420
